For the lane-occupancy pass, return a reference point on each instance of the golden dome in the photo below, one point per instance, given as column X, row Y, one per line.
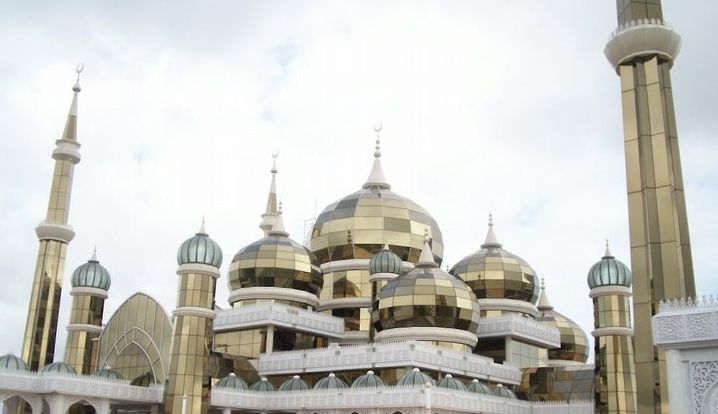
column 358, row 225
column 574, row 342
column 495, row 273
column 276, row 261
column 426, row 296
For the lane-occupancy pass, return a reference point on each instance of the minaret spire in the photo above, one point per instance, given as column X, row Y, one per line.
column 54, row 235
column 376, row 176
column 278, row 227
column 544, row 303
column 491, row 240
column 270, row 213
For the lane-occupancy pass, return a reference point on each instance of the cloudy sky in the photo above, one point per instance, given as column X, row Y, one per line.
column 508, row 107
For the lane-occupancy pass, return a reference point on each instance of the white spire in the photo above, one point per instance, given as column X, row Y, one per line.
column 94, row 255
column 427, row 257
column 70, row 132
column 278, row 227
column 491, row 240
column 201, row 228
column 376, row 176
column 544, row 303
column 608, row 250
column 270, row 212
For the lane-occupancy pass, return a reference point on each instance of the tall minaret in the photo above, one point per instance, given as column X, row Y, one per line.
column 615, row 388
column 642, row 50
column 270, row 213
column 90, row 283
column 38, row 347
column 199, row 259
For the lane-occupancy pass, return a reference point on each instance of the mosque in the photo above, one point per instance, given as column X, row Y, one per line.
column 364, row 319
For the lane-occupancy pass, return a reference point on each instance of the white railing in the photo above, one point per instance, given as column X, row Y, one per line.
column 686, row 323
column 279, row 315
column 386, row 355
column 404, row 399
column 526, row 329
column 81, row 385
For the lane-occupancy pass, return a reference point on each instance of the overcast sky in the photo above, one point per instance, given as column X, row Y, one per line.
column 508, row 107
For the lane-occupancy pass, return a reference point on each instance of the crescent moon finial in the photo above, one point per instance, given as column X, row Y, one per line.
column 275, row 154
column 78, row 69
column 377, row 149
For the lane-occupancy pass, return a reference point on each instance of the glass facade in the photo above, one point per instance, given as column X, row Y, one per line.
column 81, row 346
column 557, row 383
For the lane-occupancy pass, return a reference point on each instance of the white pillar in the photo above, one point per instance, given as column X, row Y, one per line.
column 56, row 403
column 226, row 410
column 270, row 339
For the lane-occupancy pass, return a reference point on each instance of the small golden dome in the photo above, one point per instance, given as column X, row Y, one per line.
column 574, row 342
column 495, row 273
column 426, row 296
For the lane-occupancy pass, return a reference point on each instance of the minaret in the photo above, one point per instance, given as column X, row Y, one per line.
column 38, row 347
column 90, row 283
column 615, row 388
column 199, row 259
column 270, row 213
column 642, row 51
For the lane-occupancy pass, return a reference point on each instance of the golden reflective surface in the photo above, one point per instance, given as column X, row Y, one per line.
column 574, row 343
column 276, row 261
column 557, row 384
column 358, row 225
column 426, row 297
column 81, row 347
column 495, row 273
column 137, row 339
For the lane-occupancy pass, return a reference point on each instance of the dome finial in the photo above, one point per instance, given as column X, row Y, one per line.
column 543, row 303
column 426, row 259
column 608, row 250
column 270, row 212
column 275, row 154
column 491, row 240
column 94, row 255
column 201, row 228
column 278, row 227
column 79, row 68
column 376, row 176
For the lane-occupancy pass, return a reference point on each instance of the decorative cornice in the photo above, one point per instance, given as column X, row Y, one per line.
column 686, row 323
column 425, row 333
column 510, row 305
column 610, row 290
column 89, row 291
column 376, row 277
column 194, row 311
column 339, row 303
column 275, row 314
column 642, row 37
column 67, row 150
column 273, row 293
column 612, row 330
column 528, row 330
column 57, row 232
column 83, row 327
column 356, row 264
column 200, row 268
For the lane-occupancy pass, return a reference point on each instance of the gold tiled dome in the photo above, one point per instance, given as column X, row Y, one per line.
column 426, row 296
column 574, row 342
column 358, row 225
column 276, row 261
column 495, row 273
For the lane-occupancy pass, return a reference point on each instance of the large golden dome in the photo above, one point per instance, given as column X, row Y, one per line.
column 495, row 273
column 358, row 225
column 574, row 342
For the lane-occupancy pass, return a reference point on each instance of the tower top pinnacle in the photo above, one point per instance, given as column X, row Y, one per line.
column 376, row 176
column 78, row 69
column 491, row 240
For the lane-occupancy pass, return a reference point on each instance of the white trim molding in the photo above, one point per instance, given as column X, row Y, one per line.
column 194, row 311
column 524, row 329
column 89, row 291
column 276, row 314
column 53, row 231
column 610, row 290
column 376, row 277
column 83, row 327
column 273, row 293
column 686, row 324
column 67, row 150
column 510, row 305
column 201, row 268
column 356, row 264
column 612, row 330
column 642, row 37
column 340, row 303
column 427, row 333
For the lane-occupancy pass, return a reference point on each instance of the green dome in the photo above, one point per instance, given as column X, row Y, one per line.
column 385, row 261
column 91, row 274
column 232, row 381
column 10, row 362
column 609, row 272
column 144, row 380
column 294, row 384
column 479, row 388
column 501, row 391
column 262, row 385
column 451, row 383
column 415, row 377
column 109, row 373
column 368, row 380
column 200, row 249
column 330, row 382
column 58, row 368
